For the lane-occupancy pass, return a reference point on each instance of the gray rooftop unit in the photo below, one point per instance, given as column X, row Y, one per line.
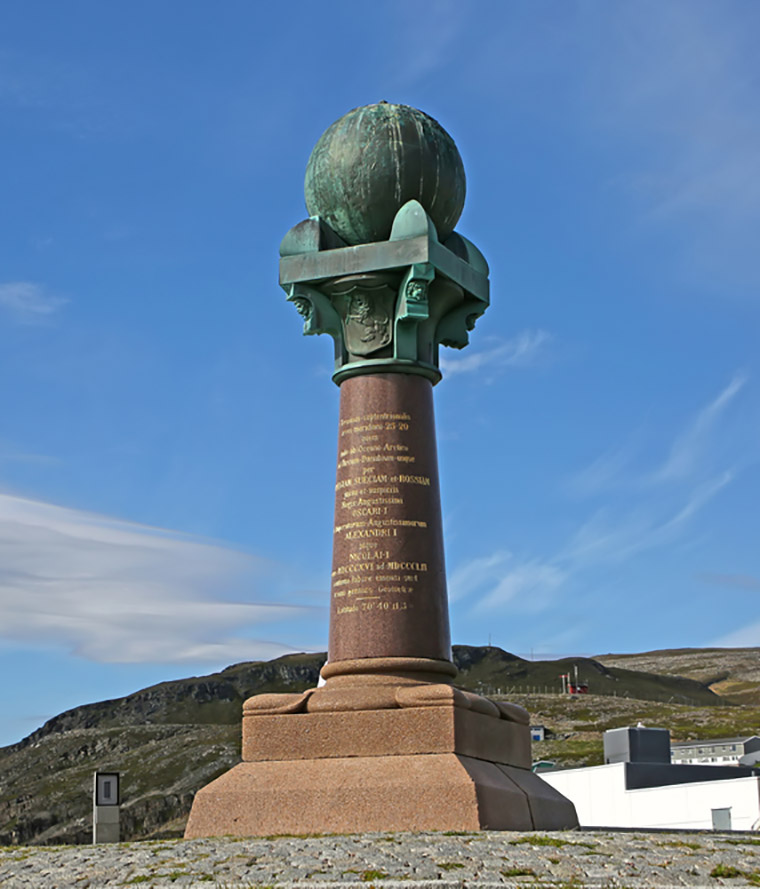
column 637, row 744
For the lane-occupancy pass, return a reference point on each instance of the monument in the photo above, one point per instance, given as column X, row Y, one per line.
column 389, row 742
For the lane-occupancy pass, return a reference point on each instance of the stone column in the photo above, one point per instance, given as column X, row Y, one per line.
column 389, row 577
column 388, row 743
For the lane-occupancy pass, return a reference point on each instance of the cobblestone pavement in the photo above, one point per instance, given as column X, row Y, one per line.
column 398, row 861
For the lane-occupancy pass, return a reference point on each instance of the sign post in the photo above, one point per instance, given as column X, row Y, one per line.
column 105, row 807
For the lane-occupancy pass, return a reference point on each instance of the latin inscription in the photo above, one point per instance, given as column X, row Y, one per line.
column 379, row 536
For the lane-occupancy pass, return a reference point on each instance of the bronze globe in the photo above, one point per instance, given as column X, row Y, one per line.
column 373, row 160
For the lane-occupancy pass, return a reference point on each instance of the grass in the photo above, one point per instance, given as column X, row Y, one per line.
column 681, row 843
column 518, row 872
column 548, row 841
column 726, row 870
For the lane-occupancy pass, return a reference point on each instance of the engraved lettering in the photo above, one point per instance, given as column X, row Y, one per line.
column 414, row 480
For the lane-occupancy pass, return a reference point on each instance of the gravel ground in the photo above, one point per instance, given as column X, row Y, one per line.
column 589, row 858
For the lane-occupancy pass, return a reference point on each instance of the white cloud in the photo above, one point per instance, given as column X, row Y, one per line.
column 701, row 496
column 687, row 460
column 113, row 591
column 744, row 637
column 533, row 583
column 520, row 351
column 600, row 475
column 605, row 538
column 499, row 579
column 529, row 586
column 689, row 447
column 29, row 303
column 472, row 575
column 747, row 636
column 10, row 454
column 615, row 534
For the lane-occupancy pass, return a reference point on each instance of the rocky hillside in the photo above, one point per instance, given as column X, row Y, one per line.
column 733, row 673
column 171, row 739
column 217, row 699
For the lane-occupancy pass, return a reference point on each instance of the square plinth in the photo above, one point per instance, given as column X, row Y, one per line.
column 379, row 793
column 404, row 732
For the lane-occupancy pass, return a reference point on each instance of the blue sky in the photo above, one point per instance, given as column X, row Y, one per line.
column 168, row 437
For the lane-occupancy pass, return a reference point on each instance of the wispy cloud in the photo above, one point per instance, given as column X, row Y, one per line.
column 531, row 585
column 500, row 579
column 472, row 575
column 689, row 447
column 520, row 351
column 745, row 637
column 646, row 516
column 609, row 538
column 687, row 457
column 29, row 303
column 699, row 498
column 602, row 474
column 9, row 454
column 113, row 591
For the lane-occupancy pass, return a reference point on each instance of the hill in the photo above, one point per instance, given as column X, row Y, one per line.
column 733, row 673
column 171, row 739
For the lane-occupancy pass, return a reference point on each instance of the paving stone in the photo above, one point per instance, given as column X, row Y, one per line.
column 593, row 859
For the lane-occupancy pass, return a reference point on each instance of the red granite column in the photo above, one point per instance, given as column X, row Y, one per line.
column 389, row 578
column 387, row 743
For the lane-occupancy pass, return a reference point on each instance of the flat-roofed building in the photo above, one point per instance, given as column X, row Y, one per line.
column 714, row 751
column 639, row 787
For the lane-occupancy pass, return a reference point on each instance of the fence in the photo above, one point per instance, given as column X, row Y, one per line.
column 506, row 691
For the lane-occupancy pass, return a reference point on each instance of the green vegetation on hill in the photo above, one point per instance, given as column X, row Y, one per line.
column 490, row 670
column 576, row 723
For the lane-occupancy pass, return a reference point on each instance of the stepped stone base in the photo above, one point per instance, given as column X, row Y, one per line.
column 439, row 767
column 378, row 793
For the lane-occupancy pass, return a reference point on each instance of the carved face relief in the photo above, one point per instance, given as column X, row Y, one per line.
column 416, row 292
column 303, row 307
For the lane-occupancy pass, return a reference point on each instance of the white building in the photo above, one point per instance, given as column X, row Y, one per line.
column 716, row 751
column 639, row 786
column 607, row 796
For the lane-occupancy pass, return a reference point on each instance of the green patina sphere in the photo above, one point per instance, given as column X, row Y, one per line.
column 373, row 160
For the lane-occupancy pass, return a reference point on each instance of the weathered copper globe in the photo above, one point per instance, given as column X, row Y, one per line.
column 373, row 160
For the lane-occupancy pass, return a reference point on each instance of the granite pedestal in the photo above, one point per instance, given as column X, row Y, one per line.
column 388, row 743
